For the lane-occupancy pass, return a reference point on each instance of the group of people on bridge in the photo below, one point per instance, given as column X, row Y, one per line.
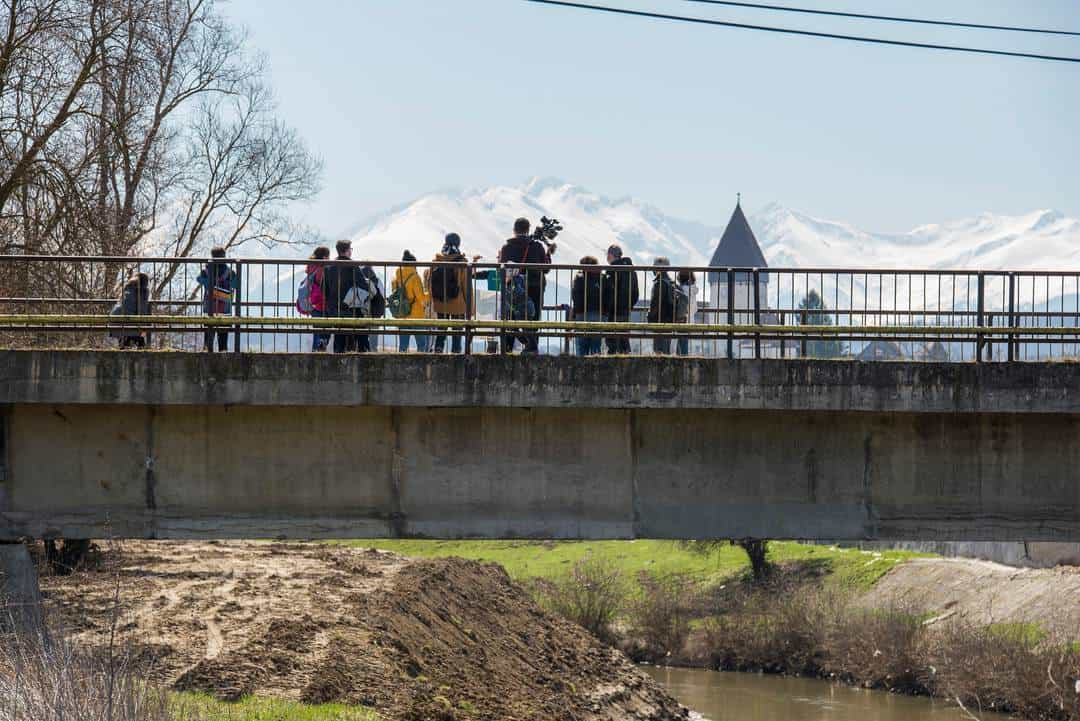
column 445, row 291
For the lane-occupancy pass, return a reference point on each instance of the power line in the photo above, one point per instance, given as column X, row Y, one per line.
column 889, row 18
column 808, row 33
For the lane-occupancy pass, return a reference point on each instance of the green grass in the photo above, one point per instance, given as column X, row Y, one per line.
column 200, row 707
column 552, row 559
column 1027, row 634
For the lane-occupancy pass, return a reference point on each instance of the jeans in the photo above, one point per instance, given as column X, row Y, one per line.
column 421, row 342
column 682, row 346
column 529, row 339
column 455, row 340
column 319, row 341
column 222, row 340
column 619, row 345
column 588, row 344
column 662, row 346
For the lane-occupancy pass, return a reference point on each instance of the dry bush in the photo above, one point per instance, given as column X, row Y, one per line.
column 877, row 649
column 989, row 671
column 45, row 678
column 591, row 595
column 782, row 633
column 660, row 616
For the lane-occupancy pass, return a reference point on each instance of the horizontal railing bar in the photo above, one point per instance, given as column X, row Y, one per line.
column 16, row 322
column 554, row 266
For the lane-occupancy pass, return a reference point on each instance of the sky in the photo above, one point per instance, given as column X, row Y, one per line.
column 405, row 97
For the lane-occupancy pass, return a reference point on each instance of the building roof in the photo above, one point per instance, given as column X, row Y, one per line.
column 738, row 247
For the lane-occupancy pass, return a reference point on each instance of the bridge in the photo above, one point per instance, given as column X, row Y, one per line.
column 196, row 445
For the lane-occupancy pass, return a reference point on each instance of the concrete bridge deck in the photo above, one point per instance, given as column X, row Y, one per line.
column 172, row 445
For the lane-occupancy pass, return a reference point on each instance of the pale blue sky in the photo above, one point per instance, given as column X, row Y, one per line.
column 402, row 97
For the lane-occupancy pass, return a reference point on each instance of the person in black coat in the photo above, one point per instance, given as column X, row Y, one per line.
column 523, row 248
column 662, row 305
column 134, row 300
column 339, row 281
column 591, row 297
column 625, row 295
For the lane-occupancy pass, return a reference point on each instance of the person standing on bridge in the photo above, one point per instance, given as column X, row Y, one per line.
column 409, row 287
column 686, row 303
column 346, row 291
column 134, row 300
column 591, row 299
column 625, row 294
column 450, row 289
column 219, row 282
column 662, row 304
column 523, row 290
column 313, row 280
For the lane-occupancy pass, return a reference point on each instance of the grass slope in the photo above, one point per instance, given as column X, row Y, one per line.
column 551, row 559
column 200, row 707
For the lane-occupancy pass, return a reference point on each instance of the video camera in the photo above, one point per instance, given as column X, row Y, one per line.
column 546, row 231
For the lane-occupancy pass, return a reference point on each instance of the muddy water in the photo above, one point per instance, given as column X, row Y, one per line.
column 754, row 697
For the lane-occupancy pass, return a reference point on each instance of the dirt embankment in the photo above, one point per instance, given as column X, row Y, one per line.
column 984, row 593
column 436, row 639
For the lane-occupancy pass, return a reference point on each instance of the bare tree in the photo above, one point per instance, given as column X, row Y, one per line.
column 133, row 126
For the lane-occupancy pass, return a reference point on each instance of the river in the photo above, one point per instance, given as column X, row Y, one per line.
column 720, row 696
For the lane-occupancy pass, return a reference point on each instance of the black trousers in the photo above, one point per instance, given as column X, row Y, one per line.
column 352, row 343
column 222, row 340
column 619, row 345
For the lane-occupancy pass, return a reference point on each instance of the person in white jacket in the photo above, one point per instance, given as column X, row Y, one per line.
column 686, row 284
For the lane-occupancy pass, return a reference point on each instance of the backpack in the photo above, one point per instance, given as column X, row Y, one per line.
column 377, row 304
column 303, row 295
column 398, row 303
column 520, row 303
column 444, row 283
column 681, row 304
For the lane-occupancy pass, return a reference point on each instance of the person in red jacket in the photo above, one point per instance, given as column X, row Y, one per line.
column 315, row 273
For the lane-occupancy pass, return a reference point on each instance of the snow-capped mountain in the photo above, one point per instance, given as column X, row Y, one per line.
column 1044, row 240
column 1041, row 240
column 484, row 218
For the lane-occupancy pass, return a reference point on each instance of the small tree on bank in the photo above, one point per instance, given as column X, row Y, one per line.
column 757, row 552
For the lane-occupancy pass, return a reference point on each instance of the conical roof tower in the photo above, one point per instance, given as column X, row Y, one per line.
column 738, row 247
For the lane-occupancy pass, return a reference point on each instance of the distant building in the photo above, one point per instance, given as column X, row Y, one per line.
column 738, row 248
column 879, row 350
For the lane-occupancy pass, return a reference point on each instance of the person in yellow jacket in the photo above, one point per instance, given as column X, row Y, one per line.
column 419, row 302
column 450, row 290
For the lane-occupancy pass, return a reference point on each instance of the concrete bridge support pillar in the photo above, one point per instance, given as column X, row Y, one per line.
column 20, row 595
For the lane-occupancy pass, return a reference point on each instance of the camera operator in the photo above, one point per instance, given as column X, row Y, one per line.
column 523, row 248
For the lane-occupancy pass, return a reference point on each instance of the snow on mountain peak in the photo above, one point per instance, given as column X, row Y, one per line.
column 484, row 217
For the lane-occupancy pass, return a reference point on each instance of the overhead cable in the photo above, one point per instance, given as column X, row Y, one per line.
column 888, row 18
column 807, row 33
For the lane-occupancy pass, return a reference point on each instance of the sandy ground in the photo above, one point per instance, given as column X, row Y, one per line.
column 985, row 593
column 415, row 639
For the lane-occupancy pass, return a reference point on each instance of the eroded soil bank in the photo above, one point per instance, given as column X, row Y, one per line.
column 414, row 639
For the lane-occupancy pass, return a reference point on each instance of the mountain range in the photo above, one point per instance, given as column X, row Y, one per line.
column 1043, row 239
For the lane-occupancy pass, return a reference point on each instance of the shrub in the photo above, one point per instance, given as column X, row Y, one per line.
column 591, row 595
column 43, row 678
column 660, row 615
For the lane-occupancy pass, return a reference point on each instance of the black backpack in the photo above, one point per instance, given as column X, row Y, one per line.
column 444, row 283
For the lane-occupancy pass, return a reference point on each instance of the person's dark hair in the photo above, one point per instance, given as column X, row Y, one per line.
column 453, row 240
column 217, row 252
column 408, row 257
column 142, row 280
column 521, row 226
column 342, row 246
column 685, row 277
column 588, row 260
column 615, row 251
column 321, row 253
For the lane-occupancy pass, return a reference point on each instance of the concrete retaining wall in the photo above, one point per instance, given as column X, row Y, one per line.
column 189, row 446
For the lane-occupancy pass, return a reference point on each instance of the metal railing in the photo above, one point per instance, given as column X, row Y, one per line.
column 866, row 314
